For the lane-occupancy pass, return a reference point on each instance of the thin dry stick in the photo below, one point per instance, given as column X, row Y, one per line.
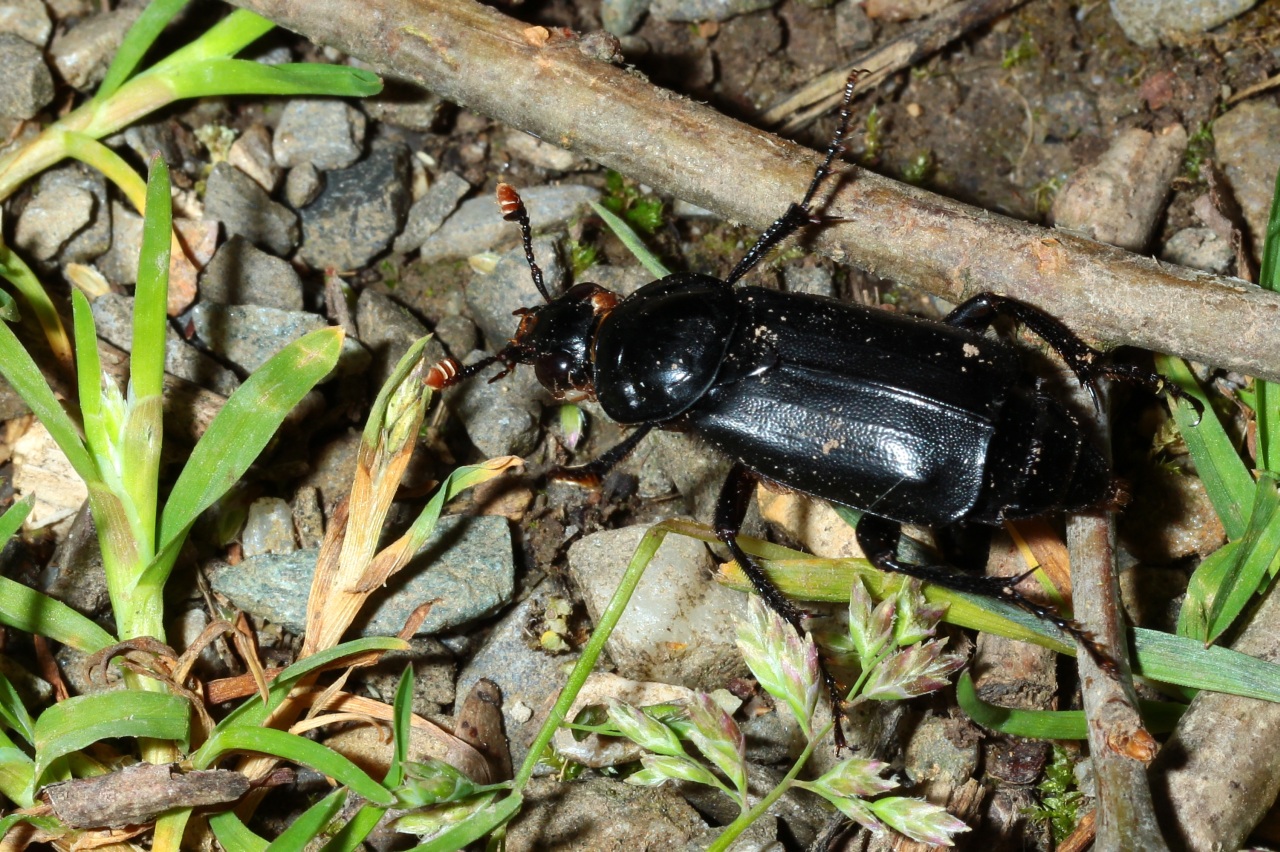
column 818, row 96
column 539, row 81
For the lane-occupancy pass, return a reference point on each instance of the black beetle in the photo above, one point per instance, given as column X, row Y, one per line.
column 909, row 420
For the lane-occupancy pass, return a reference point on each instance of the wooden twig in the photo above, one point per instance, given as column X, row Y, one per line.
column 816, row 97
column 540, row 82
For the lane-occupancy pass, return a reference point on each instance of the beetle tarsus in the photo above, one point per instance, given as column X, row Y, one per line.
column 590, row 475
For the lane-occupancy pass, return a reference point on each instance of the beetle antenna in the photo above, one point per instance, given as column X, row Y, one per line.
column 836, row 148
column 449, row 372
column 513, row 210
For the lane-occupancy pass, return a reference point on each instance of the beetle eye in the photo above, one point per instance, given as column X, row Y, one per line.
column 553, row 371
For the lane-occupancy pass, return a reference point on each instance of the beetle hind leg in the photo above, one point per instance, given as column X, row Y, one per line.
column 1088, row 364
column 731, row 508
column 878, row 538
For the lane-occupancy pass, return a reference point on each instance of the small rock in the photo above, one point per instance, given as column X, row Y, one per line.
column 302, row 185
column 243, row 207
column 40, row 468
column 434, row 673
column 1199, row 248
column 544, row 155
column 269, row 528
column 705, row 10
column 251, row 153
column 242, row 274
column 185, row 629
column 467, row 565
column 501, row 418
column 120, row 263
column 28, row 84
column 402, row 103
column 429, row 212
column 28, row 19
column 854, row 30
column 1172, row 520
column 83, row 53
column 113, row 316
column 621, row 17
column 696, row 469
column 478, row 225
column 161, row 136
column 812, row 523
column 528, row 676
column 677, row 626
column 1148, row 22
column 308, row 518
column 456, row 333
column 1247, row 140
column 388, row 330
column 75, row 575
column 616, row 816
column 1068, row 114
column 941, row 755
column 325, row 132
column 1118, row 199
column 59, row 210
column 332, row 469
column 359, row 211
column 623, row 280
column 492, row 298
column 902, row 10
column 813, row 280
column 248, row 335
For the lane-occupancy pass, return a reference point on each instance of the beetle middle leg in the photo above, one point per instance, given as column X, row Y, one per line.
column 731, row 509
column 878, row 538
column 1088, row 364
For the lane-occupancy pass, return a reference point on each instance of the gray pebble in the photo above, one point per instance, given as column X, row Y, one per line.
column 113, row 317
column 332, row 468
column 491, row 298
column 302, row 185
column 28, row 19
column 544, row 155
column 456, row 334
column 434, row 673
column 308, row 517
column 269, row 528
column 325, row 132
column 854, row 29
column 429, row 212
column 623, row 280
column 60, row 208
column 1148, row 22
column 152, row 137
column 1199, row 248
column 478, row 225
column 251, row 154
column 676, row 628
column 243, row 207
column 621, row 17
column 526, row 675
column 83, row 53
column 388, row 330
column 75, row 575
column 248, row 335
column 28, row 85
column 466, row 565
column 813, row 280
column 705, row 10
column 1247, row 140
column 501, row 418
column 359, row 211
column 242, row 274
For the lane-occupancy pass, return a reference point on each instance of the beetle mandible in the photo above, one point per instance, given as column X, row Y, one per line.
column 911, row 421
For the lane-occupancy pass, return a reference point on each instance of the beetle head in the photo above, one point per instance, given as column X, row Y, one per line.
column 556, row 338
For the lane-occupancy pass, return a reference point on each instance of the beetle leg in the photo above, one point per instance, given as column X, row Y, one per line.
column 799, row 215
column 1087, row 363
column 731, row 508
column 591, row 474
column 878, row 538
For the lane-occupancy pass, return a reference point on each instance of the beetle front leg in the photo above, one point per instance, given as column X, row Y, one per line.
column 878, row 538
column 1088, row 364
column 591, row 474
column 731, row 509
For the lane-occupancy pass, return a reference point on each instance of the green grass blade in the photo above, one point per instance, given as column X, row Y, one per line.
column 13, row 517
column 88, row 370
column 351, row 836
column 1255, row 558
column 215, row 77
column 1159, row 717
column 228, row 37
column 9, row 308
column 632, row 241
column 83, row 720
column 146, row 361
column 403, row 707
column 294, row 749
column 26, row 379
column 144, row 32
column 25, row 609
column 1226, row 479
column 17, row 774
column 477, row 826
column 14, row 712
column 1188, row 663
column 232, row 833
column 307, row 827
column 1268, row 411
column 243, row 427
column 15, row 270
column 1193, row 617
